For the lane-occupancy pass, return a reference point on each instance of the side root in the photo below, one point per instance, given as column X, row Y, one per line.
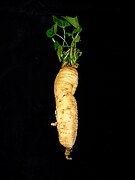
column 54, row 124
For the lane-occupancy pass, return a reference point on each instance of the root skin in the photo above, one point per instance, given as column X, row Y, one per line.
column 66, row 113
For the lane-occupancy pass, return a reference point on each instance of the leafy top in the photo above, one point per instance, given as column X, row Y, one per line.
column 67, row 51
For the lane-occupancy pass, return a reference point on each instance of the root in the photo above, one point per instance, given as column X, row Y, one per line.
column 67, row 153
column 54, row 124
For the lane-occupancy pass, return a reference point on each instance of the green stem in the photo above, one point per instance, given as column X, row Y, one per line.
column 62, row 39
column 64, row 36
column 67, row 52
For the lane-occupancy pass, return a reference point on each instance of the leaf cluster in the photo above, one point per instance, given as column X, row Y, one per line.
column 67, row 51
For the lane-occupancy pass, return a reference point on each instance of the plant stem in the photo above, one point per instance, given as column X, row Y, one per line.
column 64, row 36
column 62, row 39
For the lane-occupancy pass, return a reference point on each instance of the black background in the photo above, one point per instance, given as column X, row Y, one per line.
column 28, row 65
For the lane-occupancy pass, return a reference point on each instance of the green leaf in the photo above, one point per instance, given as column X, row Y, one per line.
column 72, row 20
column 55, row 28
column 69, row 34
column 60, row 22
column 77, row 38
column 77, row 30
column 52, row 31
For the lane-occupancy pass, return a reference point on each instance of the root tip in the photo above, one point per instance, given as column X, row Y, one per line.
column 67, row 153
